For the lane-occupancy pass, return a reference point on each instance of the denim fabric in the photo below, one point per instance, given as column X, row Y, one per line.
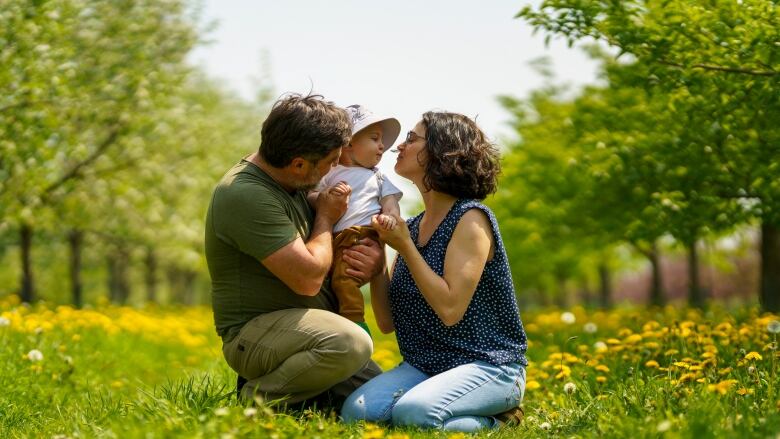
column 464, row 398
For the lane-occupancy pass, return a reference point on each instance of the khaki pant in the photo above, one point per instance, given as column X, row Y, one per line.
column 346, row 287
column 296, row 354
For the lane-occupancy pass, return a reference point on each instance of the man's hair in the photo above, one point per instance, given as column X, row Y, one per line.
column 303, row 126
column 461, row 161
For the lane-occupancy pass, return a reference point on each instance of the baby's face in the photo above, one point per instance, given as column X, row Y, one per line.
column 366, row 146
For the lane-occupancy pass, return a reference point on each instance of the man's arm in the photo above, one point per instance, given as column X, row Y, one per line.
column 303, row 266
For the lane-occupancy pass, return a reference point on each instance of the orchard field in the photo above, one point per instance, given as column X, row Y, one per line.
column 157, row 372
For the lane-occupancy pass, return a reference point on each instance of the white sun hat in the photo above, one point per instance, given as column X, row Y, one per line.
column 362, row 117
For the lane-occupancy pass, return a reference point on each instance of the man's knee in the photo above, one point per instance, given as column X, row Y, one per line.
column 352, row 345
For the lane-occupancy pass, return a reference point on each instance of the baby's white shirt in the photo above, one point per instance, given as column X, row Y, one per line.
column 368, row 187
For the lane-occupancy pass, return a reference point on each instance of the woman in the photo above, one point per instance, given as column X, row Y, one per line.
column 451, row 299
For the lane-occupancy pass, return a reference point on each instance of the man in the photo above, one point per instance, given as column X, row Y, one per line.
column 269, row 255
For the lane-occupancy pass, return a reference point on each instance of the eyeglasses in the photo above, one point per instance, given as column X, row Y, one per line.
column 412, row 137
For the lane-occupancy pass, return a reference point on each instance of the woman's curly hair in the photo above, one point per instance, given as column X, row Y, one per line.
column 461, row 161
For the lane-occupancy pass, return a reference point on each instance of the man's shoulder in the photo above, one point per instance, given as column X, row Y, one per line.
column 244, row 178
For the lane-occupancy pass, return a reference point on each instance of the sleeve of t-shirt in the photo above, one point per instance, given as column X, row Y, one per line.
column 257, row 227
column 388, row 188
column 325, row 182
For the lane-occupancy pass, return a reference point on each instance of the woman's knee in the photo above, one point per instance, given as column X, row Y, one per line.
column 414, row 410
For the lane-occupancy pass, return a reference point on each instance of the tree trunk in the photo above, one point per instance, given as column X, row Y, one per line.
column 656, row 287
column 151, row 275
column 586, row 297
column 605, row 286
column 75, row 241
column 770, row 267
column 561, row 299
column 695, row 297
column 118, row 284
column 25, row 242
column 188, row 282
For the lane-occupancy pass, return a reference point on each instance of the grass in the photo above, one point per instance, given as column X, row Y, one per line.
column 122, row 372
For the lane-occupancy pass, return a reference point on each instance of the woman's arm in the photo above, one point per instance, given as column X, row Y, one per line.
column 380, row 303
column 467, row 253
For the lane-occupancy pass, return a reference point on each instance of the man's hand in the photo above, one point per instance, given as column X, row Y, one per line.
column 332, row 203
column 365, row 259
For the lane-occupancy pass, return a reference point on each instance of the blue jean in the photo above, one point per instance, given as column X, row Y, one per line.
column 464, row 398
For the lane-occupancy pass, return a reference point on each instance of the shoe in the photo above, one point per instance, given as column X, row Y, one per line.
column 511, row 417
column 240, row 383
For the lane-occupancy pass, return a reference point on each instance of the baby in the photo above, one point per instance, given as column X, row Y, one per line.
column 372, row 194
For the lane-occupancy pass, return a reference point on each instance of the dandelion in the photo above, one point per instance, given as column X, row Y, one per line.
column 600, row 346
column 568, row 318
column 569, row 388
column 652, row 363
column 532, row 385
column 751, row 370
column 664, row 426
column 590, row 328
column 221, row 411
column 753, row 356
column 773, row 327
column 4, row 322
column 601, row 379
column 250, row 412
column 545, row 426
column 721, row 387
column 602, row 368
column 35, row 355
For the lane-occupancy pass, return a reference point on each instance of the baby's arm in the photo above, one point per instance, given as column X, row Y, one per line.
column 390, row 211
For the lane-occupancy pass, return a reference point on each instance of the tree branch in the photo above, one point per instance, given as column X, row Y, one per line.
column 721, row 68
column 75, row 171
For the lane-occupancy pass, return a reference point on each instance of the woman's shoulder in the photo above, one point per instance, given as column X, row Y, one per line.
column 472, row 208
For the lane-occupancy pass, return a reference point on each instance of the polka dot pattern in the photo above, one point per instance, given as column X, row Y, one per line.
column 491, row 329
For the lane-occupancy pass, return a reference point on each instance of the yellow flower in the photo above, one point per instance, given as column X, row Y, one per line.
column 753, row 356
column 532, row 385
column 633, row 339
column 602, row 368
column 373, row 431
column 652, row 363
column 601, row 379
column 721, row 387
column 743, row 391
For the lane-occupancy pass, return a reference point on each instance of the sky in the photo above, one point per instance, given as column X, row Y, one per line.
column 398, row 58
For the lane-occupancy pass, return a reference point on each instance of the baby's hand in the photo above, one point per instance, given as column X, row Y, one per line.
column 386, row 221
column 340, row 189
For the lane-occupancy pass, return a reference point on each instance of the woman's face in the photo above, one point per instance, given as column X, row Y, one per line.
column 412, row 154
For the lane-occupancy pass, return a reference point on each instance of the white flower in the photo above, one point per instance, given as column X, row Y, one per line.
column 568, row 318
column 664, row 426
column 570, row 388
column 35, row 355
column 751, row 370
column 545, row 426
column 600, row 346
column 250, row 411
column 221, row 411
column 773, row 327
column 4, row 322
column 38, row 330
column 590, row 328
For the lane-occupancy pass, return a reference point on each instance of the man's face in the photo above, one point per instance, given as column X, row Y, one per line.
column 318, row 170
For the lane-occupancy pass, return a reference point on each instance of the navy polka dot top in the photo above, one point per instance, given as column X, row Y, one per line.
column 490, row 330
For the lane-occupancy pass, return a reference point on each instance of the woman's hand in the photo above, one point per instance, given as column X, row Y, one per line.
column 397, row 237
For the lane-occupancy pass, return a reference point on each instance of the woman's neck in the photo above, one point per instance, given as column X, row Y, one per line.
column 437, row 204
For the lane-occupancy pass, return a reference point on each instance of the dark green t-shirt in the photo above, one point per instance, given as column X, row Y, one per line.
column 250, row 217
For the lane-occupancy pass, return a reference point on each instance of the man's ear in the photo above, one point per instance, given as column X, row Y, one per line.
column 299, row 166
